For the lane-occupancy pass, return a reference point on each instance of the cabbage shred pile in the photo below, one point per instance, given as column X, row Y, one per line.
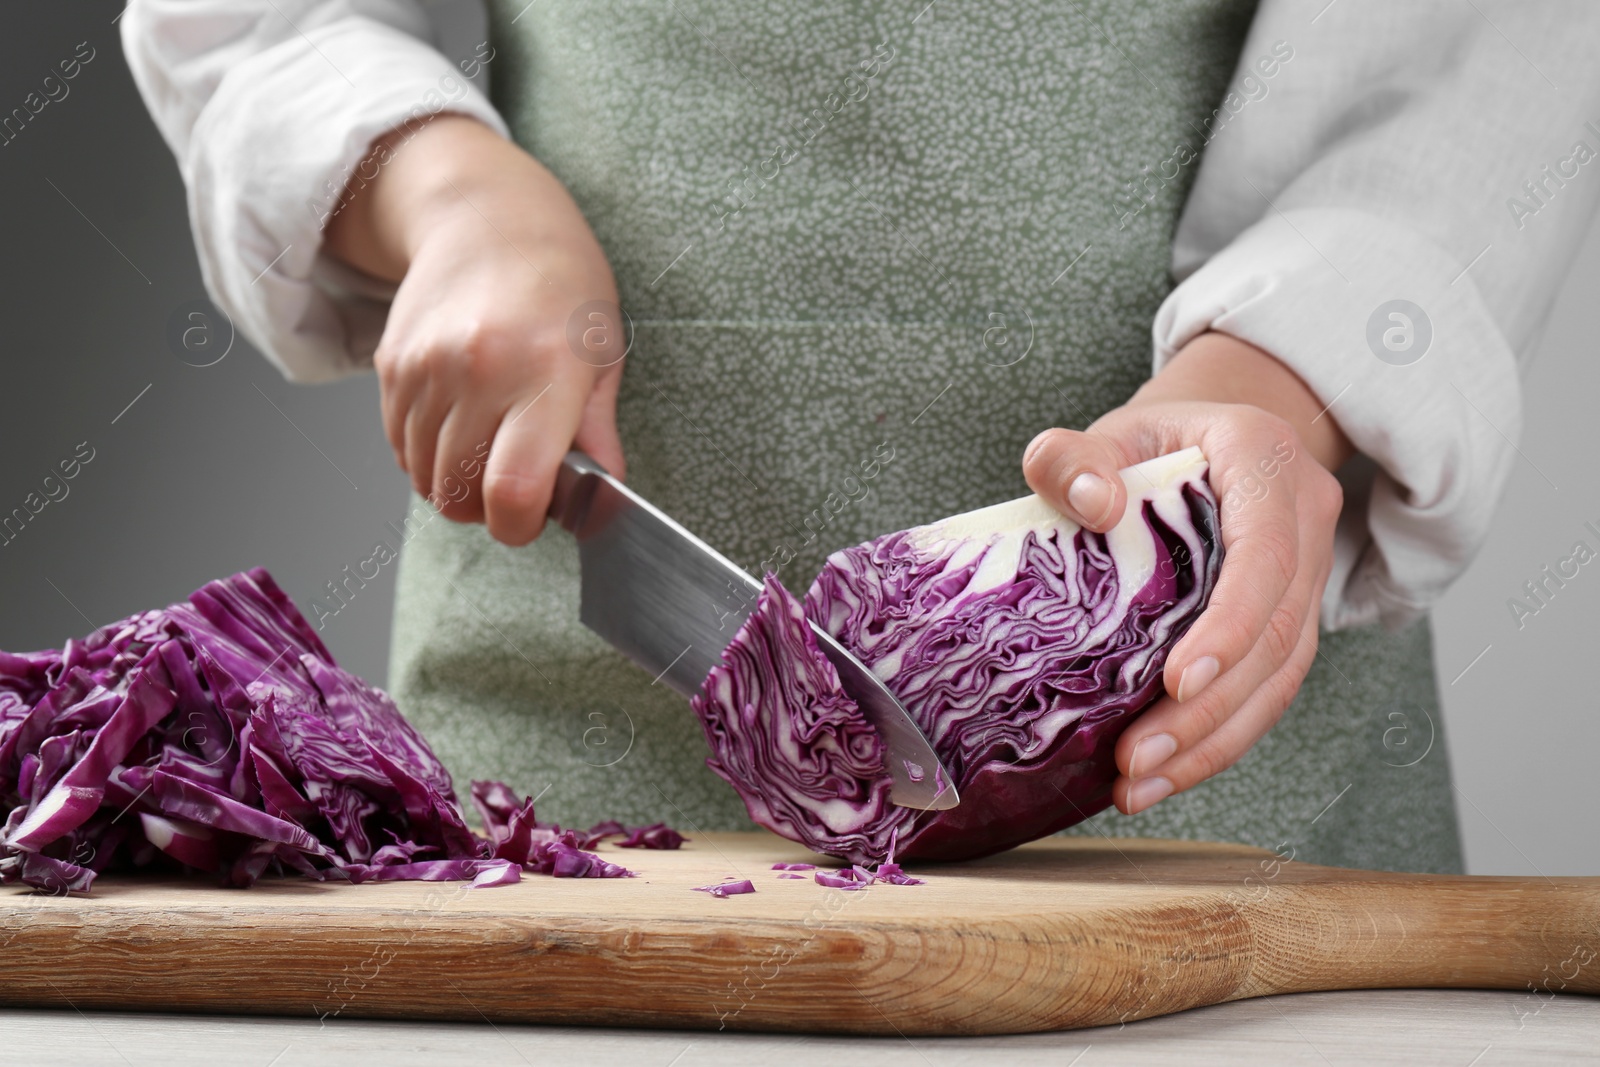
column 218, row 734
column 1021, row 643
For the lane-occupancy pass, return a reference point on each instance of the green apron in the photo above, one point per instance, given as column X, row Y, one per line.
column 867, row 254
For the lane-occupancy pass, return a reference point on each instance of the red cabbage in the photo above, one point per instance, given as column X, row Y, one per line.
column 656, row 835
column 858, row 877
column 508, row 818
column 891, row 872
column 839, row 881
column 783, row 733
column 1022, row 644
column 727, row 889
column 188, row 843
column 218, row 734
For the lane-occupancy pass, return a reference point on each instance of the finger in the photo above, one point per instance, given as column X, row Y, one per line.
column 1224, row 746
column 536, row 433
column 1260, row 560
column 1076, row 473
column 597, row 429
column 1170, row 727
column 396, row 392
column 1217, row 753
column 423, row 420
column 460, row 458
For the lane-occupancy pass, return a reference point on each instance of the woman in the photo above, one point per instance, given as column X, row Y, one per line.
column 921, row 242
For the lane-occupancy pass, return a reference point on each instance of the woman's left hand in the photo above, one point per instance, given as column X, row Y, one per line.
column 1271, row 447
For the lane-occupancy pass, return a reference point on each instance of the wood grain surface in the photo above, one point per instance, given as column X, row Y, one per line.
column 1063, row 933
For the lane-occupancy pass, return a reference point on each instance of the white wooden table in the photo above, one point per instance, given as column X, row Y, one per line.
column 1410, row 1028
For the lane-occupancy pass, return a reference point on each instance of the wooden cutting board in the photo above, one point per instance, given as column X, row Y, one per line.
column 1062, row 933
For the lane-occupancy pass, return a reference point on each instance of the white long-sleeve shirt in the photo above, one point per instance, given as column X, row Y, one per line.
column 1442, row 153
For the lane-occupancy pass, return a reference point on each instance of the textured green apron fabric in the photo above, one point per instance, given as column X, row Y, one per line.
column 867, row 253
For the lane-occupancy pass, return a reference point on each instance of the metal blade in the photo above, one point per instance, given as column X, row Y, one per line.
column 671, row 604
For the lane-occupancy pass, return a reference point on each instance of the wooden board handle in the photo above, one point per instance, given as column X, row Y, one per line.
column 1387, row 931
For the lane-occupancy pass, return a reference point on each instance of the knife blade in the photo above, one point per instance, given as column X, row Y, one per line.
column 671, row 604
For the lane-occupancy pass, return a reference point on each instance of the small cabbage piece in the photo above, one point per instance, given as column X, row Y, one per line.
column 858, row 877
column 1021, row 643
column 218, row 734
column 508, row 819
column 847, row 880
column 655, row 836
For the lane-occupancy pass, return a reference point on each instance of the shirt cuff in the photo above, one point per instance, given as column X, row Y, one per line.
column 305, row 113
column 1390, row 333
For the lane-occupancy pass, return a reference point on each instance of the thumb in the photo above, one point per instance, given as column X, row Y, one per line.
column 1076, row 473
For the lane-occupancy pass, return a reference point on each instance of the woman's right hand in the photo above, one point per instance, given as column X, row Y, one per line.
column 504, row 345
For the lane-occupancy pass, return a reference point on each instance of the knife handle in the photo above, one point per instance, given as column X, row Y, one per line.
column 569, row 501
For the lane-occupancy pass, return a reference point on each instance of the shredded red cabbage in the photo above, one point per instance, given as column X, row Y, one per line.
column 218, row 734
column 657, row 835
column 891, row 872
column 859, row 877
column 727, row 889
column 1022, row 644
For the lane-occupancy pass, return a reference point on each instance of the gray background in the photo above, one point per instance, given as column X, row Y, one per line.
column 220, row 468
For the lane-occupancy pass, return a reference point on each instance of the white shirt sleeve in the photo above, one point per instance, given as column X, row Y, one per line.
column 1435, row 152
column 271, row 106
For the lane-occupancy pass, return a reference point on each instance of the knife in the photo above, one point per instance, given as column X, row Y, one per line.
column 671, row 604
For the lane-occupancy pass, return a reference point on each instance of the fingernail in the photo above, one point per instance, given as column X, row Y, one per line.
column 1090, row 496
column 1151, row 752
column 1147, row 791
column 1196, row 676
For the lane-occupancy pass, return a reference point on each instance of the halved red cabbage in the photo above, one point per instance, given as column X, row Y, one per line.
column 1022, row 644
column 219, row 734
